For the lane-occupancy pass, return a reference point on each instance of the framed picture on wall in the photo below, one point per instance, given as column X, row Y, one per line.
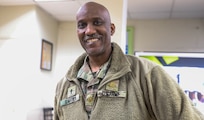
column 46, row 55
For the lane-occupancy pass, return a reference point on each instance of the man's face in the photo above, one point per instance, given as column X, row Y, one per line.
column 94, row 30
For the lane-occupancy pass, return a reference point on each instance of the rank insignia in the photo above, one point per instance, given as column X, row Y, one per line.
column 113, row 85
column 89, row 99
column 71, row 91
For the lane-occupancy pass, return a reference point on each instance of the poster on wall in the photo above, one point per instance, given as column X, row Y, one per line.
column 186, row 68
column 46, row 55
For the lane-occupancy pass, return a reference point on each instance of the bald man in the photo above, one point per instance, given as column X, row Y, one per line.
column 106, row 84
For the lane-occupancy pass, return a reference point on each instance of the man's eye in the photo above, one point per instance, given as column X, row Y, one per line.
column 81, row 25
column 98, row 22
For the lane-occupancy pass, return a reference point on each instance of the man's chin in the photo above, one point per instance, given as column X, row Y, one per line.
column 92, row 52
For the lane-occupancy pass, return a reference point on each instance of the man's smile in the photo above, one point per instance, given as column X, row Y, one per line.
column 92, row 40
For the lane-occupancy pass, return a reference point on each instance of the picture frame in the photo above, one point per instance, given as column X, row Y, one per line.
column 46, row 55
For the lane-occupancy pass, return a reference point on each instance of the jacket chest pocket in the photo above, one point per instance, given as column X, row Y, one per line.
column 74, row 111
column 112, row 108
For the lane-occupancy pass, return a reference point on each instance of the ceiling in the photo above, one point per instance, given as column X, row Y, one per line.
column 65, row 10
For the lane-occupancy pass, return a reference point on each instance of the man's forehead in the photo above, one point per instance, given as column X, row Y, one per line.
column 91, row 7
column 92, row 10
column 91, row 13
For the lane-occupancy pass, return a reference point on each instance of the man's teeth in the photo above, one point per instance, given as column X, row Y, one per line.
column 92, row 40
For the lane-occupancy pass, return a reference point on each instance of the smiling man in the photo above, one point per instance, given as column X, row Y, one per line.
column 106, row 84
column 94, row 30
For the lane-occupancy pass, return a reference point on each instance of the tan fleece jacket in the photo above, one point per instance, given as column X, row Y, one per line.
column 149, row 93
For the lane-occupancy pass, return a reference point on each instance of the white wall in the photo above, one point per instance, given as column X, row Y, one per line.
column 24, row 88
column 174, row 35
column 69, row 48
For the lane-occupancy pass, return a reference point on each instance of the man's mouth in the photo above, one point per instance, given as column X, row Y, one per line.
column 92, row 40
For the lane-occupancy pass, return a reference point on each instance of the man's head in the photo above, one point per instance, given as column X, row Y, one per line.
column 94, row 28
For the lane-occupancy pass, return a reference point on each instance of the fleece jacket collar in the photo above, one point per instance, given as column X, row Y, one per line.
column 119, row 65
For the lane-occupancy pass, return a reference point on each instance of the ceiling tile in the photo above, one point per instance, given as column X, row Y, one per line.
column 144, row 6
column 189, row 5
column 149, row 15
column 137, row 9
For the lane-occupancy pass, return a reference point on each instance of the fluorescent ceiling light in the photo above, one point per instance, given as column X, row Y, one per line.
column 52, row 0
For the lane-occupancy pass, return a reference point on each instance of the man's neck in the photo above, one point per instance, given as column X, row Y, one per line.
column 96, row 62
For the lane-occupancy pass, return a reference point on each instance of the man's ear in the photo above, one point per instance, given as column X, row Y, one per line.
column 112, row 29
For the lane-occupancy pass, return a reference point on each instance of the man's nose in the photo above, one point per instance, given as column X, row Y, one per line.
column 90, row 29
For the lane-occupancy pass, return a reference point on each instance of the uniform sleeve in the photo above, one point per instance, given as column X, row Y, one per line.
column 55, row 110
column 167, row 100
column 58, row 92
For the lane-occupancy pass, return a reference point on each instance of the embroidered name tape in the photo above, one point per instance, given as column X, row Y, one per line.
column 69, row 100
column 108, row 93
